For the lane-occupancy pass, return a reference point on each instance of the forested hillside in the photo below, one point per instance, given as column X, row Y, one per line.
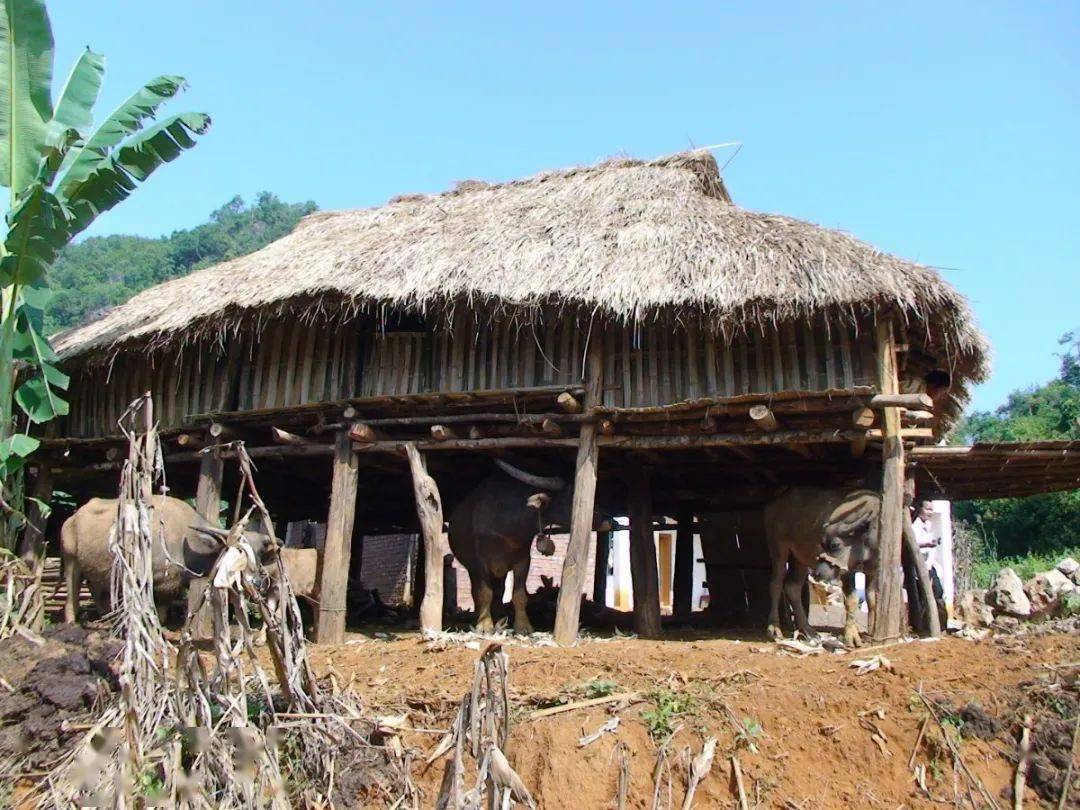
column 1043, row 524
column 103, row 271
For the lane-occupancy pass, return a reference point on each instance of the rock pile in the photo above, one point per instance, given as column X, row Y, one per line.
column 1008, row 600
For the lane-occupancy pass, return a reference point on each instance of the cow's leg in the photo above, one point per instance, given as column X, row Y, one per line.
column 520, row 597
column 871, row 599
column 793, row 590
column 481, row 594
column 776, row 590
column 851, row 612
column 73, row 582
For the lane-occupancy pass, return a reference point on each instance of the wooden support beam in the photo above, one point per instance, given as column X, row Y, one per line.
column 886, row 618
column 476, row 432
column 221, row 432
column 430, row 512
column 208, row 504
column 914, row 402
column 643, row 555
column 333, row 569
column 606, row 427
column 905, row 433
column 600, row 567
column 190, row 441
column 550, row 427
column 359, row 432
column 32, row 542
column 441, row 433
column 284, row 437
column 568, row 609
column 863, row 417
column 926, row 586
column 568, row 402
column 763, row 418
column 683, row 584
column 858, row 446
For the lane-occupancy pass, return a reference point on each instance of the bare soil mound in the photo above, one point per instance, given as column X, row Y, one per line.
column 807, row 731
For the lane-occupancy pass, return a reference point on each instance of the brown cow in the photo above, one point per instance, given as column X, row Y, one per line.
column 191, row 545
column 835, row 531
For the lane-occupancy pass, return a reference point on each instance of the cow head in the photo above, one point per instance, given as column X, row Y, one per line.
column 850, row 538
column 206, row 541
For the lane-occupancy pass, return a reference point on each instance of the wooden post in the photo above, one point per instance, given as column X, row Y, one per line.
column 32, row 545
column 333, row 566
column 643, row 556
column 682, row 602
column 600, row 568
column 207, row 504
column 887, row 619
column 925, row 585
column 568, row 610
column 429, row 510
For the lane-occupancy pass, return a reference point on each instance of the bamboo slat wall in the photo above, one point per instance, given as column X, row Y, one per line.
column 292, row 363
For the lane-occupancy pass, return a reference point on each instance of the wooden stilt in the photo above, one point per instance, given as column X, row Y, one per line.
column 600, row 567
column 887, row 618
column 568, row 611
column 207, row 504
column 429, row 510
column 682, row 601
column 643, row 556
column 334, row 561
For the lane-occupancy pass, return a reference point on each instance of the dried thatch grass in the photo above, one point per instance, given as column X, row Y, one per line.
column 624, row 238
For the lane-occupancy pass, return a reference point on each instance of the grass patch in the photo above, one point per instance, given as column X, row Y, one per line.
column 1027, row 566
column 668, row 707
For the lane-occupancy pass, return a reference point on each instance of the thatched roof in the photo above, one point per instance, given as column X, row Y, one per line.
column 625, row 238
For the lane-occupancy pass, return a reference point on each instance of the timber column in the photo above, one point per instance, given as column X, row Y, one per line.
column 207, row 504
column 568, row 611
column 885, row 613
column 430, row 512
column 643, row 573
column 333, row 569
column 683, row 579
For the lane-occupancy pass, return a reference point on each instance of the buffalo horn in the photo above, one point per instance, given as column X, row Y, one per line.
column 539, row 481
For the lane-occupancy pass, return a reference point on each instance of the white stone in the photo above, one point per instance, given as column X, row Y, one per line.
column 1069, row 567
column 1006, row 594
column 1045, row 591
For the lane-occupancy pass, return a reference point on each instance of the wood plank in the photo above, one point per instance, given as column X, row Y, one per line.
column 761, row 371
column 568, row 608
column 711, row 383
column 181, row 400
column 639, row 396
column 550, row 356
column 886, row 619
column 652, row 359
column 457, row 354
column 208, row 504
column 847, row 368
column 693, row 373
column 810, row 354
column 430, row 512
column 791, row 359
column 334, row 377
column 608, row 385
column 564, row 363
column 777, row 359
column 291, row 395
column 307, row 365
column 333, row 569
column 528, row 356
column 508, row 361
column 663, row 361
column 830, row 354
column 745, row 379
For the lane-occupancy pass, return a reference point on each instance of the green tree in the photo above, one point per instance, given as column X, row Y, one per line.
column 1042, row 524
column 103, row 271
column 62, row 173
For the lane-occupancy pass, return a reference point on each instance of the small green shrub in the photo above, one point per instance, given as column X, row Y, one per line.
column 668, row 707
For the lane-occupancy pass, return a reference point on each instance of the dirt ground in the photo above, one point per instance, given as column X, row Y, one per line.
column 808, row 731
column 802, row 728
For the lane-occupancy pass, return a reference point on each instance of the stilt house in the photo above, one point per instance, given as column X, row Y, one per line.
column 625, row 323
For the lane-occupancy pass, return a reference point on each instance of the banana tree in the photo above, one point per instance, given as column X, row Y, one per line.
column 62, row 173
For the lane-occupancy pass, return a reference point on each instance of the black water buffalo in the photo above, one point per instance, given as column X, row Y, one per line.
column 491, row 533
column 191, row 543
column 835, row 532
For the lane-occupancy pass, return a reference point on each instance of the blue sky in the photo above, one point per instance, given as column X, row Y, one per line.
column 943, row 132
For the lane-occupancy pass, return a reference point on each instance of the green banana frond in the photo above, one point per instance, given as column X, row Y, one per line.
column 25, row 89
column 75, row 104
column 38, row 227
column 117, row 175
column 126, row 119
